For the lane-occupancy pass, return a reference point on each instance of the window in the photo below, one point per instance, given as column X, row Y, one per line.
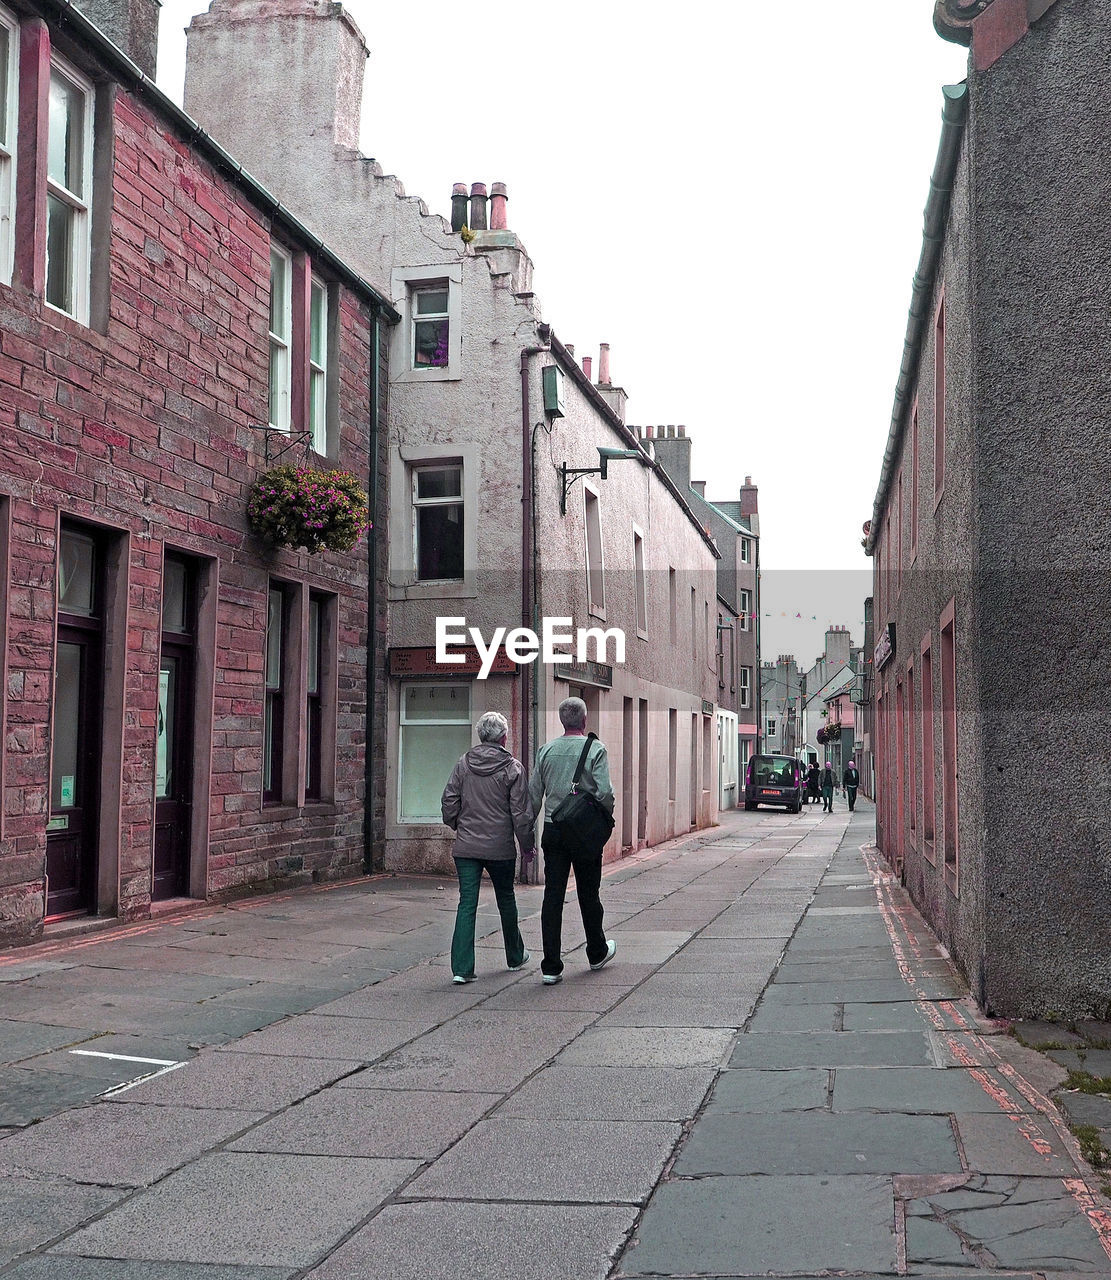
column 694, row 622
column 435, row 732
column 273, row 734
column 69, row 170
column 746, row 609
column 746, row 550
column 771, row 728
column 672, row 751
column 928, row 764
column 914, row 483
column 912, row 763
column 595, row 581
column 721, row 650
column 746, row 686
column 281, row 324
column 318, row 367
column 430, row 327
column 9, row 99
column 438, row 521
column 672, row 606
column 949, row 745
column 899, row 536
column 939, row 401
column 641, row 583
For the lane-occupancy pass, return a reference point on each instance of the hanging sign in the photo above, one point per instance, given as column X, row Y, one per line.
column 885, row 647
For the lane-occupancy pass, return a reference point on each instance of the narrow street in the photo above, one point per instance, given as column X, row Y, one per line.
column 779, row 1074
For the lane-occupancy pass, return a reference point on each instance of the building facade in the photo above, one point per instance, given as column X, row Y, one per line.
column 486, row 409
column 185, row 706
column 991, row 524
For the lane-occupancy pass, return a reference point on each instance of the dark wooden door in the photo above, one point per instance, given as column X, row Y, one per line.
column 173, row 766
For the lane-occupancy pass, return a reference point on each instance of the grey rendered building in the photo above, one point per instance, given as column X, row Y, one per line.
column 992, row 522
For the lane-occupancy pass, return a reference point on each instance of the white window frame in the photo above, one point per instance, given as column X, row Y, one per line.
column 281, row 346
column 640, row 575
column 318, row 424
column 8, row 149
column 402, row 723
column 595, row 573
column 745, row 609
column 453, row 500
column 405, row 283
column 80, row 203
column 744, row 689
column 746, row 550
column 771, row 727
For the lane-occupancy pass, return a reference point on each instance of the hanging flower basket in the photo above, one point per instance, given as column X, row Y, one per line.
column 823, row 736
column 310, row 508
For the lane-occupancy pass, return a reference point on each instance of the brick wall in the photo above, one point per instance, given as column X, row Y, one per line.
column 146, row 431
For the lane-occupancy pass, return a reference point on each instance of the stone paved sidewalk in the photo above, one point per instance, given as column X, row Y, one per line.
column 778, row 1074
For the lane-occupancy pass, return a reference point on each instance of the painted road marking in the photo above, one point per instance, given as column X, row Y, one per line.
column 164, row 1065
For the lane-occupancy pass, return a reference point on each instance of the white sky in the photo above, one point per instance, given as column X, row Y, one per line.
column 729, row 194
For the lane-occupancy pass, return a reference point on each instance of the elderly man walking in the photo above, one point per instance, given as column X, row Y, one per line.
column 486, row 804
column 552, row 780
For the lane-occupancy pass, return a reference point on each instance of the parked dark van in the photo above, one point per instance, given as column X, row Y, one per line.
column 774, row 780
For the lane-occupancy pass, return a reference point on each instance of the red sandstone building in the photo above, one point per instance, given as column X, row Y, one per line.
column 184, row 708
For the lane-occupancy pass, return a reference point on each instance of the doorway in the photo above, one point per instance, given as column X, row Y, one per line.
column 71, row 839
column 173, row 761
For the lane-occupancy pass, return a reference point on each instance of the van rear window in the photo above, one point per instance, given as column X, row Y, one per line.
column 772, row 771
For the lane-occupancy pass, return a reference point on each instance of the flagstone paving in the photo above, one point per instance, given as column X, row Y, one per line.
column 756, row 1086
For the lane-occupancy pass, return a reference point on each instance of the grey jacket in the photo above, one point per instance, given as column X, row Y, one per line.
column 555, row 767
column 486, row 803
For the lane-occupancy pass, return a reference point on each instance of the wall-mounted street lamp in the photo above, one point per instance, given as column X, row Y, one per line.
column 605, row 456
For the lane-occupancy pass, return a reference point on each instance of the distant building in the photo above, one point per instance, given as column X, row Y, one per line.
column 782, row 690
column 992, row 522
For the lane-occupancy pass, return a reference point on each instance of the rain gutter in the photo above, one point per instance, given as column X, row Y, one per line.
column 954, row 114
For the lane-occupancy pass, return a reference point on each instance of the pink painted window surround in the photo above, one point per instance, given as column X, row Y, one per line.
column 912, row 761
column 926, row 722
column 949, row 807
column 900, row 762
column 939, row 401
column 914, row 483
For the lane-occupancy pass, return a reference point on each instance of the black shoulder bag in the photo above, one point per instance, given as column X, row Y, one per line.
column 580, row 815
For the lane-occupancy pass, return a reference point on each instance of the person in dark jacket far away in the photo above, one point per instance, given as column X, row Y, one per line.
column 827, row 788
column 850, row 781
column 814, row 782
column 551, row 780
column 486, row 804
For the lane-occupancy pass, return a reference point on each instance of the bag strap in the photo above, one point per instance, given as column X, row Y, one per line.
column 590, row 737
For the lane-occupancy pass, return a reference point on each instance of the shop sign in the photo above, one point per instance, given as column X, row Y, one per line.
column 596, row 673
column 421, row 661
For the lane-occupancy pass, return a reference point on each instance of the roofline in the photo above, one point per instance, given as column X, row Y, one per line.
column 568, row 362
column 954, row 114
column 126, row 70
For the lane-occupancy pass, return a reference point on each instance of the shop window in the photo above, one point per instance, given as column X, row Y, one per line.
column 435, row 731
column 69, row 179
column 320, row 711
column 438, row 521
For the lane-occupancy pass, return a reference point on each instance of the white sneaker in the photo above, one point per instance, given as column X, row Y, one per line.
column 608, row 956
column 524, row 960
column 458, row 977
column 550, row 979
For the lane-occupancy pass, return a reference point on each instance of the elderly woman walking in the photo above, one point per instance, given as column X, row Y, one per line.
column 486, row 804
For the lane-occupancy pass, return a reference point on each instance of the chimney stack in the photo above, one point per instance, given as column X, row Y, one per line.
column 699, row 486
column 498, row 198
column 478, row 206
column 749, row 498
column 603, row 364
column 131, row 25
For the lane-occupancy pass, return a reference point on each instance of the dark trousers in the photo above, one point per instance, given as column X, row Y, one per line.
column 561, row 856
column 851, row 793
column 469, row 871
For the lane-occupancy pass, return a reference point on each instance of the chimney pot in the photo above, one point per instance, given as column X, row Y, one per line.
column 603, row 364
column 651, row 432
column 570, row 348
column 498, row 198
column 458, row 207
column 682, row 432
column 588, row 364
column 478, row 206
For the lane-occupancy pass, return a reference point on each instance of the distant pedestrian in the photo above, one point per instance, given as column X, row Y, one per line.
column 551, row 781
column 827, row 788
column 850, row 782
column 486, row 804
column 814, row 782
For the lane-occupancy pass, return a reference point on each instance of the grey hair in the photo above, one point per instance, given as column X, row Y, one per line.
column 572, row 713
column 492, row 726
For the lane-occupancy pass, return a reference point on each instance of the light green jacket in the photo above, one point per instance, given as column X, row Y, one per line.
column 555, row 767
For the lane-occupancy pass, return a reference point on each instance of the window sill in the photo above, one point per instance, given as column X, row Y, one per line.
column 952, row 880
column 449, row 373
column 929, row 852
column 642, row 635
column 311, row 808
column 596, row 611
column 441, row 589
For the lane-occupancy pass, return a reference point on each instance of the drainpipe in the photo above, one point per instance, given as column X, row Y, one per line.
column 530, row 704
column 372, row 728
column 759, row 658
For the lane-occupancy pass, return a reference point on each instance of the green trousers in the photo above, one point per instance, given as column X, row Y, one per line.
column 469, row 871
